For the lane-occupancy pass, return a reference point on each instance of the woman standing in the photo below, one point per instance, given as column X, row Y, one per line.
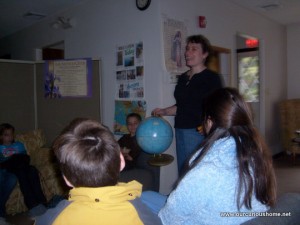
column 190, row 90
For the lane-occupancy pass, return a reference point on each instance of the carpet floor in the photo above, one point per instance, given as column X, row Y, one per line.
column 287, row 175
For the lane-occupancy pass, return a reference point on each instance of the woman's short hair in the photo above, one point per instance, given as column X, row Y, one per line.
column 204, row 42
column 88, row 154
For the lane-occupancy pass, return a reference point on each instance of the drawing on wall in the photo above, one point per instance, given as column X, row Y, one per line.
column 176, row 49
column 122, row 109
column 68, row 78
column 174, row 36
column 130, row 71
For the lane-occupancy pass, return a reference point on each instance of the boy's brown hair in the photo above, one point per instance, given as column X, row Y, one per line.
column 135, row 115
column 3, row 128
column 88, row 154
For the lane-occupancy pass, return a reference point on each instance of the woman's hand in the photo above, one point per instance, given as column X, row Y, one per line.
column 158, row 112
column 169, row 111
column 200, row 130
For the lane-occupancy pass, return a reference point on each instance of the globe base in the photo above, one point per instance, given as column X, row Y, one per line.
column 160, row 159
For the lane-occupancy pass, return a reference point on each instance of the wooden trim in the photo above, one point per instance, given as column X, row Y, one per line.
column 221, row 50
column 246, row 50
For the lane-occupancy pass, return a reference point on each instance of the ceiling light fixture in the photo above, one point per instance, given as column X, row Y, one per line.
column 64, row 23
column 270, row 6
column 34, row 15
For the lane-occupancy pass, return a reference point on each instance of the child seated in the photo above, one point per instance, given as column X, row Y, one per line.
column 129, row 146
column 14, row 159
column 90, row 161
column 134, row 156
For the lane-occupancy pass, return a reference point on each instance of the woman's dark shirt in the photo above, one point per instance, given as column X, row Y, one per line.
column 189, row 95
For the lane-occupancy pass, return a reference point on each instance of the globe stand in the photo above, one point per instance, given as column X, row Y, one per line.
column 160, row 159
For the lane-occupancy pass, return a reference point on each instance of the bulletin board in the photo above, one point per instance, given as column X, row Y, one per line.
column 55, row 114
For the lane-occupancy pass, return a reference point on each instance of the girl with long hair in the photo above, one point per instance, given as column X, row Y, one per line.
column 231, row 175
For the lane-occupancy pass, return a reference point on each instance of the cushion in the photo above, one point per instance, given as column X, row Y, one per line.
column 288, row 203
column 32, row 140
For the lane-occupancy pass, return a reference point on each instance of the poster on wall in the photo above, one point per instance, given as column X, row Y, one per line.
column 68, row 78
column 174, row 36
column 130, row 71
column 122, row 109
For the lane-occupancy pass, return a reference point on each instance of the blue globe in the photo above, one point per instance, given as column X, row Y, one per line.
column 154, row 135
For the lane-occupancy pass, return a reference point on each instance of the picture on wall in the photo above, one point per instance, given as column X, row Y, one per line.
column 130, row 71
column 122, row 109
column 68, row 78
column 174, row 36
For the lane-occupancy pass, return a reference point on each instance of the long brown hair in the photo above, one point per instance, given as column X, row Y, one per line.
column 231, row 117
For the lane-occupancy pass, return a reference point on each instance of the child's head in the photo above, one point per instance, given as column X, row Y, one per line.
column 132, row 121
column 88, row 154
column 6, row 134
column 225, row 108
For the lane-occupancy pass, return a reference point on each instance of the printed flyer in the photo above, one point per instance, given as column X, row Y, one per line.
column 174, row 36
column 130, row 71
column 122, row 109
column 68, row 78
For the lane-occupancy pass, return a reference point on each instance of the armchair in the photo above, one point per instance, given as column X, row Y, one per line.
column 290, row 122
column 43, row 159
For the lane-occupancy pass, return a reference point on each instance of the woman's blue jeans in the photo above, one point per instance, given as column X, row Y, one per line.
column 187, row 141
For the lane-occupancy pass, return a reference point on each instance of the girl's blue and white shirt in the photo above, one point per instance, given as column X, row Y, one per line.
column 6, row 151
column 207, row 194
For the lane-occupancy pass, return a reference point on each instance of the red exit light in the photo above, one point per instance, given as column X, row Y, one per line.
column 252, row 43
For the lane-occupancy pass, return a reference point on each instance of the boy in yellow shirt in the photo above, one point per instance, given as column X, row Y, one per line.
column 90, row 161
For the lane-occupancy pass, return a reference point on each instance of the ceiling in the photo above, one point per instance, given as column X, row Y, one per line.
column 12, row 11
column 282, row 11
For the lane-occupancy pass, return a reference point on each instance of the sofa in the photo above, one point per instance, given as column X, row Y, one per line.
column 43, row 159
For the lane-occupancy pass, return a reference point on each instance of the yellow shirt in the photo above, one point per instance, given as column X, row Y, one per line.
column 105, row 205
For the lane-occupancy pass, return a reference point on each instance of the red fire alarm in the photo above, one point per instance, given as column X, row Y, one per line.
column 202, row 21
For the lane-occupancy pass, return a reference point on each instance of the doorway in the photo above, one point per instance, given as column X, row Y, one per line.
column 220, row 62
column 54, row 51
column 248, row 74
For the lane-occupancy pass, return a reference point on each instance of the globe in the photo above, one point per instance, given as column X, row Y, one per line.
column 154, row 135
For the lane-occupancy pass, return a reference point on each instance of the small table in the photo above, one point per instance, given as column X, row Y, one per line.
column 160, row 159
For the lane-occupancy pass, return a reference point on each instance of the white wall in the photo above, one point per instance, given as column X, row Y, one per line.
column 293, row 56
column 102, row 25
column 224, row 21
